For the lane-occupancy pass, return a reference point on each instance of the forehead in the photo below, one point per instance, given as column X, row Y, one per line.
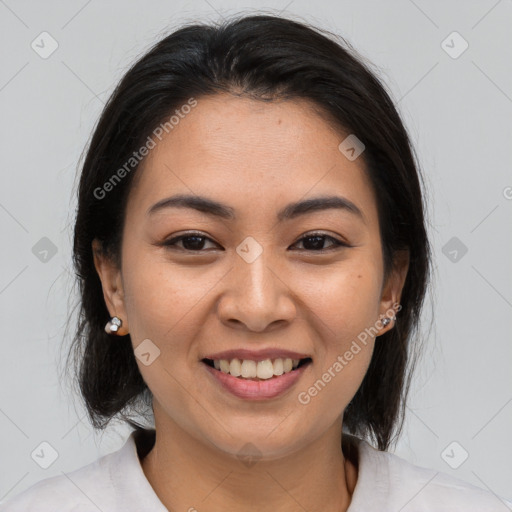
column 250, row 153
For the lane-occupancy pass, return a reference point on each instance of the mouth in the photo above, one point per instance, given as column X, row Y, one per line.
column 250, row 370
column 260, row 380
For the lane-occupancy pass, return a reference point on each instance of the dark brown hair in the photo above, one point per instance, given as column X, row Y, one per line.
column 267, row 58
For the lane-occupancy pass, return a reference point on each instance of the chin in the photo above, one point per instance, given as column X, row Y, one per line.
column 266, row 443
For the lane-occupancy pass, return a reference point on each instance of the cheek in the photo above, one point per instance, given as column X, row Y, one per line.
column 160, row 301
column 346, row 305
column 335, row 382
column 159, row 296
column 346, row 299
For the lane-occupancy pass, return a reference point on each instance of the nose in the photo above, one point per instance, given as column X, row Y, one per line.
column 256, row 296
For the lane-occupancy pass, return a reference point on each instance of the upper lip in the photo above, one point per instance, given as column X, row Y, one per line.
column 257, row 355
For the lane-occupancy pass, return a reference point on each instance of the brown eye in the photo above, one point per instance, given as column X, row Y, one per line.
column 195, row 242
column 315, row 242
column 190, row 242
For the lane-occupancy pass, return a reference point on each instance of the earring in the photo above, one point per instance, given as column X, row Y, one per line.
column 113, row 325
column 386, row 320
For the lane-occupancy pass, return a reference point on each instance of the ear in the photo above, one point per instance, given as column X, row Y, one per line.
column 392, row 288
column 113, row 292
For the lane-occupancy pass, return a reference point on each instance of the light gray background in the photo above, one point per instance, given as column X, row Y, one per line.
column 458, row 112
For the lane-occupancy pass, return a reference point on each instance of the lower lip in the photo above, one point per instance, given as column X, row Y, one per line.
column 257, row 389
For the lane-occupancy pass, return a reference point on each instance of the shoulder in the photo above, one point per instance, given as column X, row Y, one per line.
column 74, row 491
column 89, row 488
column 114, row 482
column 392, row 483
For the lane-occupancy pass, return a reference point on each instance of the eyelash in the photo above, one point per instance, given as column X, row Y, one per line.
column 336, row 243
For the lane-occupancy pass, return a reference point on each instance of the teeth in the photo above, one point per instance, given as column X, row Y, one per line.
column 265, row 369
column 278, row 367
column 235, row 368
column 249, row 369
column 287, row 365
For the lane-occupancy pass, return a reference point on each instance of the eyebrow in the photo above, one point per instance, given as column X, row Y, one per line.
column 290, row 211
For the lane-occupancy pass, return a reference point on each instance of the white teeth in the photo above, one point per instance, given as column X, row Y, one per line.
column 249, row 369
column 278, row 367
column 235, row 367
column 224, row 366
column 265, row 369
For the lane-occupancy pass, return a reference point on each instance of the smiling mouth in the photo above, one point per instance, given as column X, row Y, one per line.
column 251, row 370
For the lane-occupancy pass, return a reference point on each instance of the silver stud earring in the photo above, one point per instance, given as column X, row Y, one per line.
column 385, row 321
column 113, row 325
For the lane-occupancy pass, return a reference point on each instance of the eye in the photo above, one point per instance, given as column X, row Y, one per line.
column 191, row 242
column 317, row 240
column 313, row 242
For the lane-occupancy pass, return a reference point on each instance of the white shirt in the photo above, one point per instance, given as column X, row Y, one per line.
column 385, row 483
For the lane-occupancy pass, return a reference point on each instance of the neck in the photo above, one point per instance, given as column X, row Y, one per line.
column 187, row 474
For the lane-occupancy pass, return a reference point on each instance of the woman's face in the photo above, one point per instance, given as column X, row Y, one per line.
column 253, row 281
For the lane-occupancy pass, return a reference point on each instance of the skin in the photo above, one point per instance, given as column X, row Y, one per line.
column 255, row 157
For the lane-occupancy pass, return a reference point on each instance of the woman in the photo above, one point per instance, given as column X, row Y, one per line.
column 251, row 250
